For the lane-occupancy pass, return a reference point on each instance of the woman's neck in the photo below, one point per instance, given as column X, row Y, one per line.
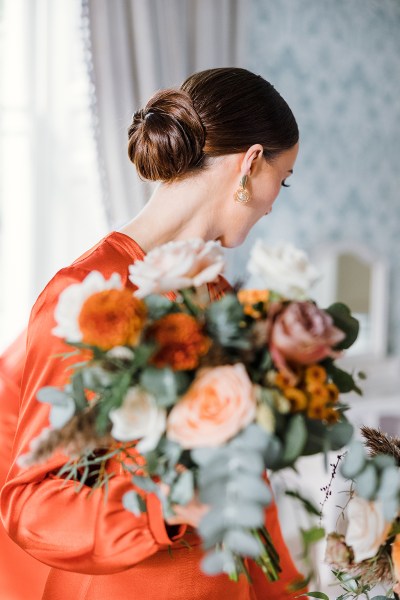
column 176, row 211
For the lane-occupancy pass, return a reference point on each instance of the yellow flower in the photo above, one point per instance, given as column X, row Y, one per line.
column 333, row 393
column 297, row 399
column 251, row 297
column 320, row 394
column 314, row 375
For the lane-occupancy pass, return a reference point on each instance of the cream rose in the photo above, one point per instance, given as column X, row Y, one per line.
column 71, row 300
column 139, row 418
column 283, row 269
column 367, row 529
column 177, row 265
column 220, row 402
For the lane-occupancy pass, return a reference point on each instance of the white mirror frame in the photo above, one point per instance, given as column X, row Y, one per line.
column 324, row 256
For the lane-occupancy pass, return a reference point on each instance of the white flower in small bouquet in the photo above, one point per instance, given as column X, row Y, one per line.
column 368, row 553
column 209, row 395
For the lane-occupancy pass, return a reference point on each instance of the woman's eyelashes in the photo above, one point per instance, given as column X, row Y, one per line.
column 284, row 184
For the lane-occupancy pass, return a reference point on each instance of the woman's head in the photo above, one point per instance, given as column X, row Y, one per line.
column 214, row 113
column 220, row 125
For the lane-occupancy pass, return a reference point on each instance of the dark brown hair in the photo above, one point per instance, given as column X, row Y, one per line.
column 214, row 112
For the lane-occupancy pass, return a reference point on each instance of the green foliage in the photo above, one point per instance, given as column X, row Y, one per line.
column 159, row 306
column 307, row 504
column 311, row 536
column 354, row 460
column 295, row 439
column 343, row 380
column 164, row 384
column 343, row 319
column 134, row 503
column 62, row 405
column 224, row 323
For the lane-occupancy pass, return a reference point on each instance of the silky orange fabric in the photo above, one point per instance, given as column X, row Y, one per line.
column 98, row 550
column 21, row 576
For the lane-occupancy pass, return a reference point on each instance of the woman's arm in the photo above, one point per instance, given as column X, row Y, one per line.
column 89, row 531
column 279, row 589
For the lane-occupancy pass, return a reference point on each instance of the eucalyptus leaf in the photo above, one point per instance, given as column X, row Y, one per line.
column 159, row 306
column 344, row 320
column 183, row 490
column 250, row 516
column 389, row 483
column 145, row 483
column 134, row 503
column 295, row 439
column 340, row 434
column 273, row 454
column 217, row 562
column 204, row 456
column 367, row 482
column 79, row 391
column 62, row 405
column 224, row 319
column 384, row 460
column 253, row 437
column 354, row 460
column 163, row 384
column 95, row 378
column 243, row 543
column 242, row 487
column 390, row 508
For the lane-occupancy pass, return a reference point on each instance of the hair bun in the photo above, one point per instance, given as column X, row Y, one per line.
column 166, row 138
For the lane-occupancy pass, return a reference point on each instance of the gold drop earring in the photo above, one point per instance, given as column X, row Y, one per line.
column 242, row 195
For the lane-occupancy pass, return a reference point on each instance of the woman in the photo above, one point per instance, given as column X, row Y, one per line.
column 222, row 146
column 13, row 560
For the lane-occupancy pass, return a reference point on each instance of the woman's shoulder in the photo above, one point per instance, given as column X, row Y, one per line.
column 112, row 254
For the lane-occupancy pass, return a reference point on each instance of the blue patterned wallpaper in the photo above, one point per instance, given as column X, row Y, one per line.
column 337, row 63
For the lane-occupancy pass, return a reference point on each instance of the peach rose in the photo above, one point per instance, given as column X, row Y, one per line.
column 396, row 562
column 220, row 402
column 177, row 265
column 302, row 334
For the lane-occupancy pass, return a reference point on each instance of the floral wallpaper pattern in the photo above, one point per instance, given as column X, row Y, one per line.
column 337, row 63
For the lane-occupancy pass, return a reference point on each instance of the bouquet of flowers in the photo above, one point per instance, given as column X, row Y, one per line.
column 368, row 554
column 192, row 397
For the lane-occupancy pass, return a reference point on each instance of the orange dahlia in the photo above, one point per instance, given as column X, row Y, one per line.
column 181, row 342
column 112, row 318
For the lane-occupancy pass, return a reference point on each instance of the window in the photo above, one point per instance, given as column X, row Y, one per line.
column 50, row 200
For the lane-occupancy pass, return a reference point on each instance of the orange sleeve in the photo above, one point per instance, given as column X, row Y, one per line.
column 276, row 590
column 81, row 532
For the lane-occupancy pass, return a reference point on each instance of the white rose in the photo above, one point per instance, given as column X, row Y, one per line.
column 139, row 418
column 283, row 269
column 177, row 265
column 367, row 529
column 72, row 299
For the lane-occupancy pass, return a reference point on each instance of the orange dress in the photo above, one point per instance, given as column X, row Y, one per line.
column 98, row 550
column 13, row 560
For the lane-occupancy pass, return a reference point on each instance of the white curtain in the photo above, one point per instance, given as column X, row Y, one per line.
column 135, row 47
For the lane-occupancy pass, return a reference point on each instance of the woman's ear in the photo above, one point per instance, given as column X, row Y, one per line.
column 252, row 157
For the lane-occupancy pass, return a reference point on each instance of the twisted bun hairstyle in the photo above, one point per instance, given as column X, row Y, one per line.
column 166, row 139
column 214, row 113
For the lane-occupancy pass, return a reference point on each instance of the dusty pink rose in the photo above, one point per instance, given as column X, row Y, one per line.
column 177, row 265
column 220, row 402
column 303, row 334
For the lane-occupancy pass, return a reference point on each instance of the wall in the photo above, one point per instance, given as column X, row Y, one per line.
column 337, row 63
